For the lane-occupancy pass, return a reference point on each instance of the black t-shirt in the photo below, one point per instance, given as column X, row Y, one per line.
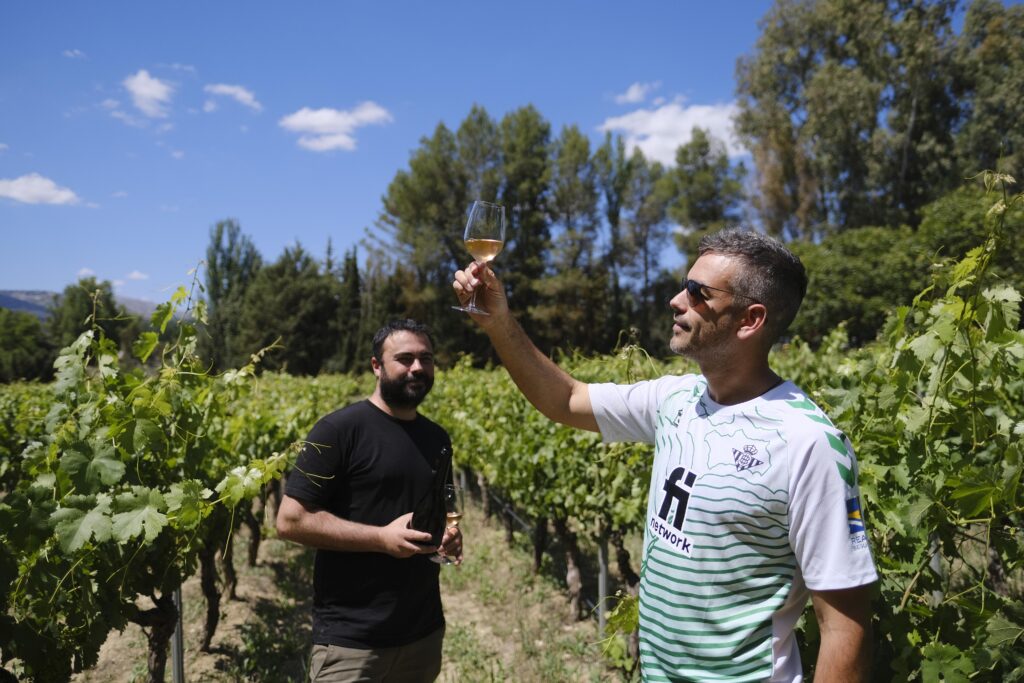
column 366, row 466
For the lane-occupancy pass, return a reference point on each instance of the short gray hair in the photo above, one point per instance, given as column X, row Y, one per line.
column 773, row 275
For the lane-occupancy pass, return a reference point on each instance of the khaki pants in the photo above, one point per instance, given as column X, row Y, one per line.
column 417, row 662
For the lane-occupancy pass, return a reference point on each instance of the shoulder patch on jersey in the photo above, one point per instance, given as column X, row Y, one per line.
column 854, row 519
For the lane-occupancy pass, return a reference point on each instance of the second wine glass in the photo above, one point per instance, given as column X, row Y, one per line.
column 484, row 238
column 453, row 509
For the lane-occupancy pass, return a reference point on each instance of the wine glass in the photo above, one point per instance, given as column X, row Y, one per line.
column 453, row 508
column 484, row 239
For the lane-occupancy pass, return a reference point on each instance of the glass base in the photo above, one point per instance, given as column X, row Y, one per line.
column 442, row 559
column 470, row 309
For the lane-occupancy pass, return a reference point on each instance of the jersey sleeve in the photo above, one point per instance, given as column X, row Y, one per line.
column 626, row 412
column 318, row 467
column 827, row 530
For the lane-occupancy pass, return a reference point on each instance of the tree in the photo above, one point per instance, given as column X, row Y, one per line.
column 422, row 222
column 615, row 170
column 707, row 190
column 384, row 297
column 526, row 160
column 232, row 262
column 913, row 163
column 478, row 143
column 84, row 305
column 647, row 232
column 571, row 307
column 857, row 278
column 292, row 300
column 25, row 350
column 990, row 54
column 350, row 287
column 860, row 276
column 849, row 109
column 954, row 224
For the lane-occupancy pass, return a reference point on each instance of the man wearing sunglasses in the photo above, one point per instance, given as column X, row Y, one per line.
column 753, row 503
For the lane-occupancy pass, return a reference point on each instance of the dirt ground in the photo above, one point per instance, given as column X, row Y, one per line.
column 505, row 623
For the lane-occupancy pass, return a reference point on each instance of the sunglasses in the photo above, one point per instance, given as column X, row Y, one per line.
column 697, row 291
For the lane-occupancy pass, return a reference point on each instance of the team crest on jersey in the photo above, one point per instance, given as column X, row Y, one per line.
column 668, row 526
column 858, row 534
column 745, row 459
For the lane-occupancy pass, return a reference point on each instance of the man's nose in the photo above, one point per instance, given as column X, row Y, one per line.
column 678, row 302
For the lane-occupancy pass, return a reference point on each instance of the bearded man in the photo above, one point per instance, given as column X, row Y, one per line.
column 351, row 495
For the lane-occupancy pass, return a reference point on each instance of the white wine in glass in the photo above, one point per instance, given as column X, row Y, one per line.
column 453, row 506
column 452, row 519
column 484, row 238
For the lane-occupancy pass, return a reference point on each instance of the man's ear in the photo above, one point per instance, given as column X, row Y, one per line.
column 375, row 365
column 752, row 321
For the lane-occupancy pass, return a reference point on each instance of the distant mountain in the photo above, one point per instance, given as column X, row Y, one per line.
column 34, row 302
column 37, row 303
column 139, row 307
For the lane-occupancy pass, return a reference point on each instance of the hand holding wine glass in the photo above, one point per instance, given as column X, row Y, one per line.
column 453, row 505
column 484, row 238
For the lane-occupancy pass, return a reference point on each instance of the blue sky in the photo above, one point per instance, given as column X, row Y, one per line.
column 127, row 129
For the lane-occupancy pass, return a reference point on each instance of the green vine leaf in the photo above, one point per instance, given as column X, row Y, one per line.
column 1003, row 631
column 144, row 346
column 141, row 513
column 75, row 527
column 147, row 436
column 944, row 663
column 91, row 465
column 188, row 501
column 976, row 496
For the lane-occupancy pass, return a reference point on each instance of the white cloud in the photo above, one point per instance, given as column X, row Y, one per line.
column 127, row 118
column 35, row 189
column 236, row 92
column 322, row 130
column 637, row 93
column 209, row 106
column 659, row 132
column 137, row 275
column 118, row 283
column 74, row 54
column 177, row 154
column 176, row 66
column 86, row 272
column 120, row 194
column 3, row 146
column 149, row 94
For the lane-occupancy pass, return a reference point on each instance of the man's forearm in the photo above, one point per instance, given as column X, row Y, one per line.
column 550, row 389
column 844, row 620
column 843, row 658
column 323, row 530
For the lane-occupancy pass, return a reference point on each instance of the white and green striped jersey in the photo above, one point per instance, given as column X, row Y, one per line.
column 751, row 506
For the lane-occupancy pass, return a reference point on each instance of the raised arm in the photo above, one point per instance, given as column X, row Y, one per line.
column 311, row 526
column 550, row 389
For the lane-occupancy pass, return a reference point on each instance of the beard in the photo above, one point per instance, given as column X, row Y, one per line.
column 405, row 392
column 703, row 345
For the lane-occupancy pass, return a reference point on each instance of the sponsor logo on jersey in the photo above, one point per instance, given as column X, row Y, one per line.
column 745, row 459
column 668, row 526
